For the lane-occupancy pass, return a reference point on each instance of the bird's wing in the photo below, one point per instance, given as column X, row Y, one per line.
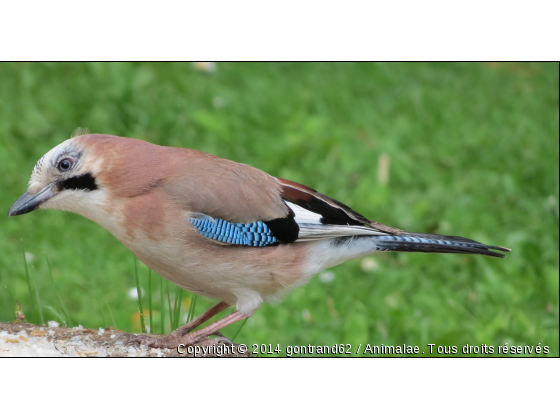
column 236, row 204
column 223, row 189
column 319, row 216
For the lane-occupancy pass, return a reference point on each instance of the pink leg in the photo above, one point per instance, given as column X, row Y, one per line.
column 203, row 333
column 181, row 331
column 200, row 335
column 178, row 336
column 187, row 328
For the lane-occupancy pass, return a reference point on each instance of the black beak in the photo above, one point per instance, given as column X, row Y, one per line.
column 29, row 202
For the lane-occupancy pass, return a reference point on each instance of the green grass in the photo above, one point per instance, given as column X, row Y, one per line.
column 471, row 149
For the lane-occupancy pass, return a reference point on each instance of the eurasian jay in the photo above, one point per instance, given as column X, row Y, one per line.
column 212, row 226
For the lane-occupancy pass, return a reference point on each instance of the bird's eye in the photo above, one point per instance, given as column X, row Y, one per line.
column 65, row 164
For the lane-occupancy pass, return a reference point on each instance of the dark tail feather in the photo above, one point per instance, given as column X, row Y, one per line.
column 427, row 242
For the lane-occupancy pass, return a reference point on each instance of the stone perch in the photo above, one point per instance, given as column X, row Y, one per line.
column 19, row 339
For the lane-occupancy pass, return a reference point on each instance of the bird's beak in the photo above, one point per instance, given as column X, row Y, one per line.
column 29, row 202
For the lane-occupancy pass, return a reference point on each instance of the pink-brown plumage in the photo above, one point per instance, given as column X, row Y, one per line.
column 181, row 211
column 154, row 189
column 195, row 180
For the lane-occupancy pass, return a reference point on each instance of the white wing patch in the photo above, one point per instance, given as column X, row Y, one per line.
column 303, row 215
column 311, row 228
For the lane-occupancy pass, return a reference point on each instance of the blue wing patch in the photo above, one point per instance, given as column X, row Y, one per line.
column 249, row 234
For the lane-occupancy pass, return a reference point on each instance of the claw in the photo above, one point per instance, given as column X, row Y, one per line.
column 172, row 342
column 218, row 334
column 135, row 338
column 141, row 339
column 221, row 338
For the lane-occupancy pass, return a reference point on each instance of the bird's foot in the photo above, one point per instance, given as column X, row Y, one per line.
column 166, row 341
column 198, row 338
column 176, row 339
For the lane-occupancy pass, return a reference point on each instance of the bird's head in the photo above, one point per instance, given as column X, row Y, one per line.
column 94, row 175
column 65, row 178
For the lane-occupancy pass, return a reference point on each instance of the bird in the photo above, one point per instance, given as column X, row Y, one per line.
column 212, row 226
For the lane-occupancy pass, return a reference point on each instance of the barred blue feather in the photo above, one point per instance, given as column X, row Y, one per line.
column 426, row 242
column 394, row 243
column 249, row 234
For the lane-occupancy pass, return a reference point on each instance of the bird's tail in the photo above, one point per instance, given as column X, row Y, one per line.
column 427, row 242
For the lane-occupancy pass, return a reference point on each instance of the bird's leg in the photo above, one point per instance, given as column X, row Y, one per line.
column 189, row 326
column 211, row 329
column 181, row 331
column 199, row 336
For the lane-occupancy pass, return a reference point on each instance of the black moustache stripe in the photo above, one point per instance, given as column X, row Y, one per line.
column 84, row 182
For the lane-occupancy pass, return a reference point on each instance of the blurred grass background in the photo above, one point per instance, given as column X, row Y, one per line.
column 464, row 149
